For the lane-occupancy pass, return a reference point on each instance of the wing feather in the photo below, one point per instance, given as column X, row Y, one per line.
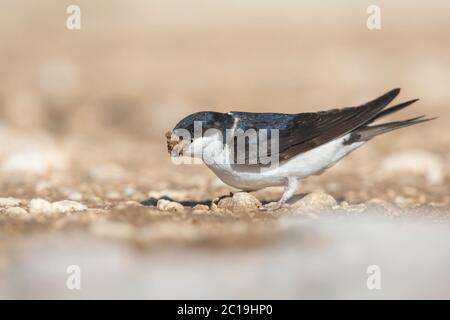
column 299, row 133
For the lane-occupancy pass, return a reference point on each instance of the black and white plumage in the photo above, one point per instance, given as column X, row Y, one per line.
column 308, row 143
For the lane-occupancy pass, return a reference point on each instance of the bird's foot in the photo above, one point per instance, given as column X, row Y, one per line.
column 272, row 206
column 292, row 184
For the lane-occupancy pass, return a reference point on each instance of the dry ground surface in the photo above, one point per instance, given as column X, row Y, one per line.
column 82, row 122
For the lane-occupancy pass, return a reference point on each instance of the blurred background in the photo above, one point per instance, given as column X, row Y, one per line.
column 83, row 115
column 109, row 91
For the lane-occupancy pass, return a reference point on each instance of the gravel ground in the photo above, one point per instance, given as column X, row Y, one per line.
column 82, row 123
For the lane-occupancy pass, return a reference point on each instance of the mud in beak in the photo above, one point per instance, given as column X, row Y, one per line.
column 175, row 144
column 172, row 140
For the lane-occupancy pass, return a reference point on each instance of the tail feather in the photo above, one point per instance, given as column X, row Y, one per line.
column 393, row 109
column 366, row 133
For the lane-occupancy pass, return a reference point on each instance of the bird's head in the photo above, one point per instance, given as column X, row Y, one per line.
column 194, row 134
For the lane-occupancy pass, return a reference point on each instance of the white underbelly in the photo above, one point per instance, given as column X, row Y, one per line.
column 313, row 162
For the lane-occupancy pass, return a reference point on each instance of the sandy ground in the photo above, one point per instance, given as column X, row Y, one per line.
column 82, row 122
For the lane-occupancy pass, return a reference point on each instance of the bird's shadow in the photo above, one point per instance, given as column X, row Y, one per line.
column 152, row 202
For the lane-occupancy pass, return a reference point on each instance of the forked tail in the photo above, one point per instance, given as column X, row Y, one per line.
column 367, row 132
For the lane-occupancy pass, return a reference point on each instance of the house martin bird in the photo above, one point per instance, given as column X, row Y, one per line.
column 302, row 144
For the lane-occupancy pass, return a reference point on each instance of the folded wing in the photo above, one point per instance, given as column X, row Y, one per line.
column 302, row 132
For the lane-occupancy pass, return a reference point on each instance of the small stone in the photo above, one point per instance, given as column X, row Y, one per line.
column 42, row 206
column 343, row 205
column 166, row 205
column 68, row 206
column 17, row 212
column 38, row 206
column 240, row 201
column 9, row 202
column 315, row 200
column 214, row 206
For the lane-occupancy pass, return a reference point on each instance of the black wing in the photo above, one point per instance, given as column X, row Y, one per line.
column 302, row 132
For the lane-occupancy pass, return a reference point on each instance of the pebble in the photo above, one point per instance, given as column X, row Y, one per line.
column 68, row 206
column 240, row 201
column 418, row 162
column 43, row 206
column 9, row 202
column 166, row 205
column 17, row 212
column 40, row 206
column 315, row 200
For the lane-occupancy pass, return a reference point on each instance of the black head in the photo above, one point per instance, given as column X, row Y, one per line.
column 208, row 120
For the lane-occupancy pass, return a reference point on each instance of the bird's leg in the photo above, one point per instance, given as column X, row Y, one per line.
column 291, row 187
column 289, row 191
